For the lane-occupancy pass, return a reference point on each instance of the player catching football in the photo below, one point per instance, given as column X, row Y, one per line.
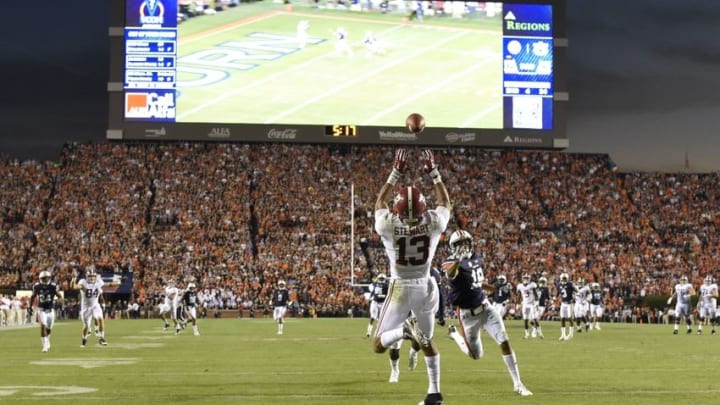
column 410, row 234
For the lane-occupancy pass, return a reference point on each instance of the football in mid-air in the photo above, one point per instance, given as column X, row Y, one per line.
column 415, row 123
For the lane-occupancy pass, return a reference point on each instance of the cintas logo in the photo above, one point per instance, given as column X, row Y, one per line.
column 152, row 12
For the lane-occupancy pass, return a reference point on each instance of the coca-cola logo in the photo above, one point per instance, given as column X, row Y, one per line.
column 286, row 133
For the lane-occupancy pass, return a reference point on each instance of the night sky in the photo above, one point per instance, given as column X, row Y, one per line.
column 644, row 77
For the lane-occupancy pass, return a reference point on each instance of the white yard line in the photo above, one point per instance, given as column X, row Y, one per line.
column 426, row 90
column 359, row 79
column 263, row 81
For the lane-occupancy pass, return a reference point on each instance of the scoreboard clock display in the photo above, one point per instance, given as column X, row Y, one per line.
column 487, row 74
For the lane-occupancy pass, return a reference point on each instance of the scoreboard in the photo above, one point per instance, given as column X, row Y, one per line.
column 147, row 85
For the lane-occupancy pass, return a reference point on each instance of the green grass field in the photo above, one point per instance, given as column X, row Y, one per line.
column 329, row 361
column 244, row 65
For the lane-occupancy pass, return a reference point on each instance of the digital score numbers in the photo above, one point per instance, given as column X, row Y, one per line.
column 341, row 130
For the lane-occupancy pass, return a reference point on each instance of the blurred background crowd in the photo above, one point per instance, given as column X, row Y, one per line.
column 236, row 218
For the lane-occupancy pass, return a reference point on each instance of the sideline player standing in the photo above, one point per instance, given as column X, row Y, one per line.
column 45, row 291
column 280, row 302
column 410, row 234
column 566, row 292
column 597, row 302
column 190, row 303
column 707, row 303
column 378, row 292
column 474, row 312
column 684, row 292
column 501, row 295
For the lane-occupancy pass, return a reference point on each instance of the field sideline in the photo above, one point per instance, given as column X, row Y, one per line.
column 329, row 361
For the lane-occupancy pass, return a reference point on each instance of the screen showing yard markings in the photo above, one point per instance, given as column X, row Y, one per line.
column 487, row 66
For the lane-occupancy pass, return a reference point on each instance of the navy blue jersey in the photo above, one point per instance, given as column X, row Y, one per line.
column 502, row 292
column 46, row 295
column 566, row 292
column 379, row 290
column 543, row 296
column 435, row 273
column 189, row 298
column 280, row 297
column 466, row 288
column 596, row 297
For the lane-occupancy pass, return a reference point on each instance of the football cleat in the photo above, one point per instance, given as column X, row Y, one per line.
column 435, row 398
column 394, row 377
column 45, row 349
column 675, row 332
column 689, row 331
column 412, row 359
column 102, row 342
column 411, row 331
column 522, row 391
column 84, row 342
column 451, row 329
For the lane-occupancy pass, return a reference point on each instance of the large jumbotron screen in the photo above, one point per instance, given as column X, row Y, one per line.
column 482, row 73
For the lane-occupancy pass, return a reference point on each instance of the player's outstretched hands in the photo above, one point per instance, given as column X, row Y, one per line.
column 400, row 162
column 428, row 161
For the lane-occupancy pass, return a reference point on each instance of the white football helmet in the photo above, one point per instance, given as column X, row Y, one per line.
column 191, row 286
column 461, row 244
column 45, row 277
column 542, row 281
column 709, row 279
column 595, row 286
column 281, row 283
column 564, row 278
column 501, row 279
column 91, row 275
column 525, row 279
column 381, row 277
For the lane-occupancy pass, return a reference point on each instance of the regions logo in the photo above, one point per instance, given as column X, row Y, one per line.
column 152, row 12
column 150, row 105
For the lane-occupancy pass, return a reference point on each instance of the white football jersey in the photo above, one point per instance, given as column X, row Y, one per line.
column 683, row 293
column 410, row 250
column 171, row 295
column 90, row 292
column 708, row 294
column 527, row 292
column 582, row 294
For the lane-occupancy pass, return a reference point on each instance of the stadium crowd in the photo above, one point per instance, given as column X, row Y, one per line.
column 236, row 218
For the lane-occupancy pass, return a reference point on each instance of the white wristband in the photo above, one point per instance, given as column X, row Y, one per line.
column 394, row 176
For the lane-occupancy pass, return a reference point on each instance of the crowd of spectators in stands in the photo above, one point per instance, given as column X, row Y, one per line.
column 236, row 218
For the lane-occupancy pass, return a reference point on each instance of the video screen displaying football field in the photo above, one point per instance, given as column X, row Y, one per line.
column 261, row 63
